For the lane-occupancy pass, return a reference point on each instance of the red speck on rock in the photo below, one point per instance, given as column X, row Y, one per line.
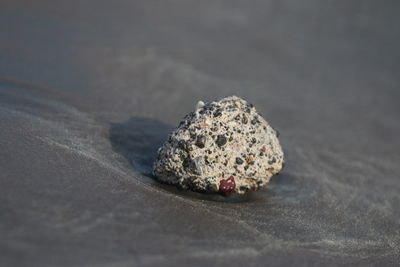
column 227, row 186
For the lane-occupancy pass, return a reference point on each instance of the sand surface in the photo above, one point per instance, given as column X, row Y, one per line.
column 90, row 89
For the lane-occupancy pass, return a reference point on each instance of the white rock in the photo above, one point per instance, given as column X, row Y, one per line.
column 224, row 146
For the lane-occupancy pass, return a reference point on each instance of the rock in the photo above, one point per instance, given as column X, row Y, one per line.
column 224, row 146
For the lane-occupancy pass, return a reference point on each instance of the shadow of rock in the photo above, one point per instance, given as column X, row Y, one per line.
column 138, row 139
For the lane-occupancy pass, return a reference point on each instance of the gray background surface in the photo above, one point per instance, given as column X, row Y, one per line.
column 90, row 89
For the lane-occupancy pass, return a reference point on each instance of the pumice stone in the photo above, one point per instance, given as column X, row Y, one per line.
column 222, row 147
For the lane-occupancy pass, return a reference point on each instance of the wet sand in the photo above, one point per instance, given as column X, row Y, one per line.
column 89, row 90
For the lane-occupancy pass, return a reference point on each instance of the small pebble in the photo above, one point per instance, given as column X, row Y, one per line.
column 239, row 161
column 221, row 140
column 227, row 186
column 200, row 141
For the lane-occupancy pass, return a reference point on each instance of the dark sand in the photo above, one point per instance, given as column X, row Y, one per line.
column 90, row 89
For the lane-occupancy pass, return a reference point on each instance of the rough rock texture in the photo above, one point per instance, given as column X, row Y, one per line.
column 224, row 146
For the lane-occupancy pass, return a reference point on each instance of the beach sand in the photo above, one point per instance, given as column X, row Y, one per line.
column 90, row 89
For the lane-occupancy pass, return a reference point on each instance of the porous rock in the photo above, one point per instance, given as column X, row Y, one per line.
column 223, row 146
